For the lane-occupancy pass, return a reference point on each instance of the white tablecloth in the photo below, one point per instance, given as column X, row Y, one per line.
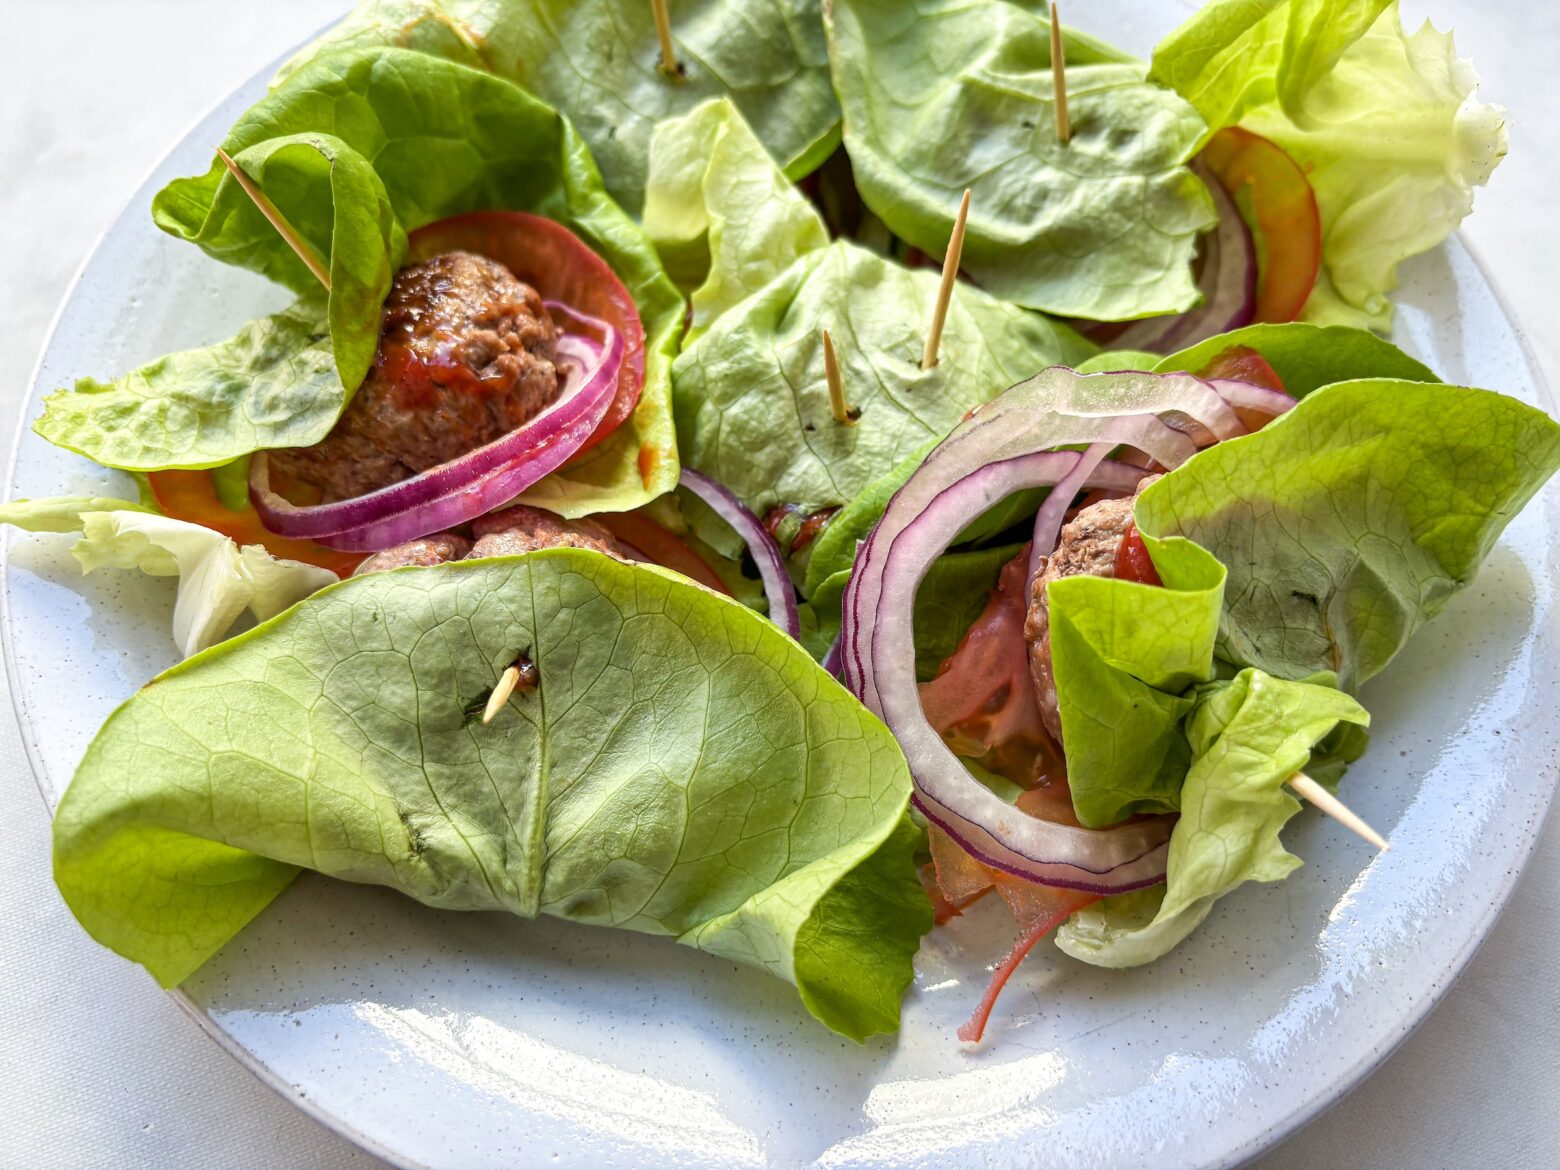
column 99, row 1070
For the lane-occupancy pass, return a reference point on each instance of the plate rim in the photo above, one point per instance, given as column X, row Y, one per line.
column 1281, row 1129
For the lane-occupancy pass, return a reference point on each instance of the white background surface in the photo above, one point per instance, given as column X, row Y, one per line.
column 98, row 1069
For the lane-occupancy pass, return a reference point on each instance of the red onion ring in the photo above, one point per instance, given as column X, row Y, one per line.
column 1005, row 446
column 1248, row 396
column 1048, row 520
column 1228, row 284
column 478, row 481
column 766, row 552
column 831, row 658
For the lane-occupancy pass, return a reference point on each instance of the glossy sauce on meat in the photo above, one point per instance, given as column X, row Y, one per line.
column 465, row 356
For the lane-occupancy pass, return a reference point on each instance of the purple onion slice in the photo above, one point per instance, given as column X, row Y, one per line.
column 1247, row 396
column 478, row 481
column 766, row 552
column 1003, row 447
column 1228, row 284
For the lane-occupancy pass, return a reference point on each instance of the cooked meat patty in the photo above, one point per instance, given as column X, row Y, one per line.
column 429, row 550
column 521, row 530
column 499, row 534
column 1088, row 544
column 465, row 356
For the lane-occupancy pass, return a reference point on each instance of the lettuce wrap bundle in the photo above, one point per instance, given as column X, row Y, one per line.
column 726, row 665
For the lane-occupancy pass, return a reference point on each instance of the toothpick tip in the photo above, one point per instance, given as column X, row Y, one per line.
column 502, row 690
column 950, row 273
column 843, row 413
column 1335, row 808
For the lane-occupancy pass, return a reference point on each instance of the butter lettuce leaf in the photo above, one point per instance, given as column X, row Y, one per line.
column 218, row 580
column 1124, row 656
column 724, row 218
column 1386, row 125
column 63, row 513
column 1248, row 735
column 1306, row 356
column 1354, row 518
column 442, row 139
column 682, row 768
column 275, row 384
column 597, row 61
column 752, row 404
column 940, row 95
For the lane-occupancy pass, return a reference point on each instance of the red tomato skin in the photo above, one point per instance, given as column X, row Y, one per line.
column 1132, row 560
column 1286, row 220
column 191, row 496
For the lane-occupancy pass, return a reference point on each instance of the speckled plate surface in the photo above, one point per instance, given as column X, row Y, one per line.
column 478, row 1040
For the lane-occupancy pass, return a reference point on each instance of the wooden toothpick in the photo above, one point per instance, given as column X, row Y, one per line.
column 843, row 414
column 950, row 273
column 501, row 693
column 1336, row 809
column 278, row 220
column 1059, row 78
column 663, row 29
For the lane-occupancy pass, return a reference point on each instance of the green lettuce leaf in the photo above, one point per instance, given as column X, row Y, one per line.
column 682, row 768
column 1126, row 930
column 597, row 62
column 1354, row 518
column 1306, row 357
column 724, row 218
column 1237, row 55
column 275, row 384
column 1114, row 360
column 834, row 550
column 218, row 580
column 333, row 197
column 63, row 513
column 1124, row 655
column 1385, row 124
column 752, row 403
column 442, row 139
column 951, row 596
column 941, row 95
column 1248, row 735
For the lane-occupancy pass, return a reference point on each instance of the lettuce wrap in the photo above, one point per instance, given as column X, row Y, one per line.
column 356, row 149
column 941, row 95
column 680, row 767
column 1295, row 562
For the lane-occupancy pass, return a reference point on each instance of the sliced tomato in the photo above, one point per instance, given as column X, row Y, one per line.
column 1132, row 560
column 958, row 880
column 192, row 496
column 1272, row 192
column 1046, row 908
column 562, row 267
column 982, row 701
column 662, row 546
column 943, row 911
column 1243, row 364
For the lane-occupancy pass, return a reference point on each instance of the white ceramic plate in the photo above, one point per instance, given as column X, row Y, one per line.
column 477, row 1040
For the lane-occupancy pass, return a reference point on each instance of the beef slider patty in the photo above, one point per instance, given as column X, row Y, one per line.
column 1088, row 544
column 427, row 550
column 465, row 356
column 513, row 531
